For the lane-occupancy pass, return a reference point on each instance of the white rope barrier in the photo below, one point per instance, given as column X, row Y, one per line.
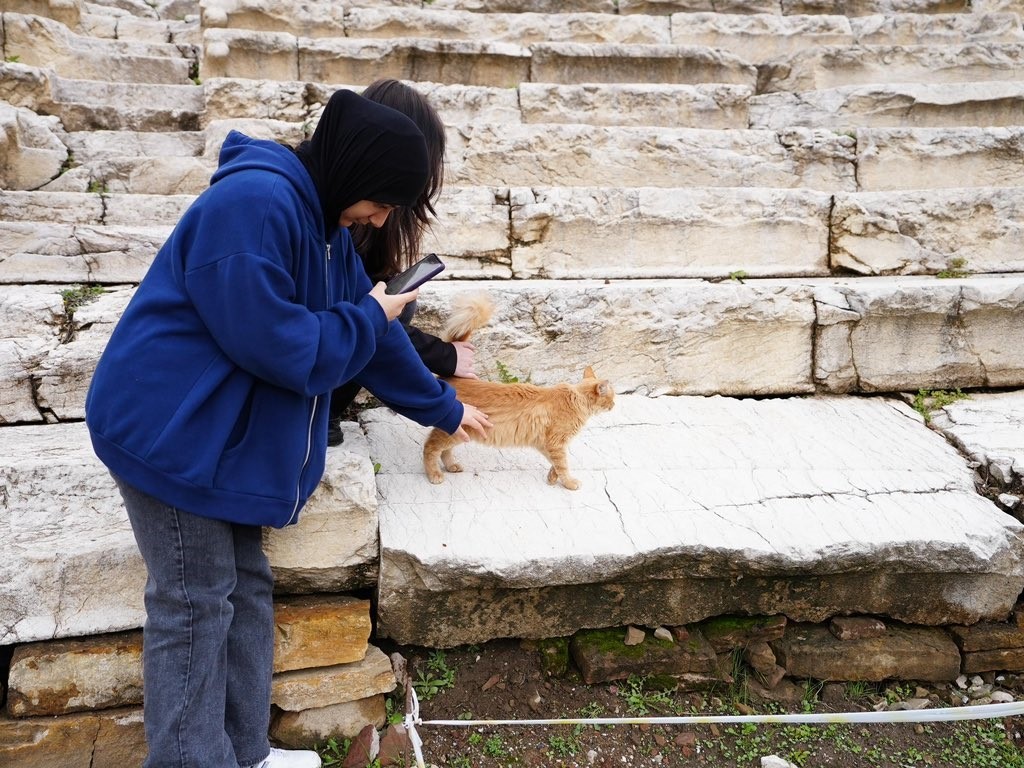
column 938, row 715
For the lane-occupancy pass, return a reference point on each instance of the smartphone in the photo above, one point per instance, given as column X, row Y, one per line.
column 416, row 275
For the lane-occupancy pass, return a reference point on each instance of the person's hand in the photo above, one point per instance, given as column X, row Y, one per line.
column 392, row 304
column 464, row 360
column 472, row 418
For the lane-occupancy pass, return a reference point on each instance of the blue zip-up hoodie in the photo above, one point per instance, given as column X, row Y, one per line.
column 212, row 392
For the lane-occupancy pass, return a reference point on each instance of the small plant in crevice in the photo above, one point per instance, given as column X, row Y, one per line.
column 957, row 268
column 505, row 376
column 97, row 187
column 79, row 296
column 928, row 400
column 437, row 677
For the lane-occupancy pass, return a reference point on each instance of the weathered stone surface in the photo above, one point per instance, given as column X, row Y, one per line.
column 888, row 335
column 109, row 739
column 758, row 38
column 674, row 105
column 67, row 12
column 32, row 317
column 902, row 653
column 320, row 631
column 938, row 105
column 988, row 427
column 580, row 156
column 873, row 7
column 306, row 729
column 520, row 28
column 310, row 18
column 261, row 99
column 728, row 632
column 31, row 152
column 872, row 521
column 242, row 53
column 619, row 63
column 832, row 66
column 856, row 627
column 919, row 158
column 697, row 337
column 41, row 42
column 573, row 232
column 941, row 29
column 668, row 7
column 521, row 6
column 87, row 105
column 601, row 656
column 320, row 687
column 92, row 673
column 70, row 565
column 971, row 230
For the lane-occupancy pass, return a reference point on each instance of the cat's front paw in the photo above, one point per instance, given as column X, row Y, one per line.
column 571, row 483
column 436, row 478
column 453, row 466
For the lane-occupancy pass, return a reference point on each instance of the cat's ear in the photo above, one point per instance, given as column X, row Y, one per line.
column 604, row 389
column 588, row 373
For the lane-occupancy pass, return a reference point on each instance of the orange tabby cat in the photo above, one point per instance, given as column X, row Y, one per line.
column 522, row 415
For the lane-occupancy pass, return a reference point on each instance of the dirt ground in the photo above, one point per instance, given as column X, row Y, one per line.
column 508, row 680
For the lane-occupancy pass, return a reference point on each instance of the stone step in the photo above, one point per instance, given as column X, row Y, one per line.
column 825, row 67
column 575, row 233
column 669, row 7
column 182, row 31
column 283, row 56
column 74, row 569
column 691, row 508
column 42, row 42
column 848, row 108
column 89, row 105
column 736, row 337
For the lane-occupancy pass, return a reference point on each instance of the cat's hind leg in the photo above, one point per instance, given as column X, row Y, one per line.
column 560, row 468
column 432, row 450
column 449, row 461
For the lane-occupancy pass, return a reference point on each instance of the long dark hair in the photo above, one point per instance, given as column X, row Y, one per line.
column 396, row 245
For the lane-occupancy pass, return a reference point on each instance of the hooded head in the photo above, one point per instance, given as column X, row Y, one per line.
column 361, row 150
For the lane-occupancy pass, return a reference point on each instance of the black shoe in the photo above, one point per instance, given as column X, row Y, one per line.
column 334, row 434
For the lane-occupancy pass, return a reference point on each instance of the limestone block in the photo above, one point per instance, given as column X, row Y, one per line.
column 709, row 105
column 906, row 334
column 521, row 28
column 511, row 6
column 31, row 151
column 471, row 62
column 150, row 210
column 833, row 66
column 88, row 105
column 995, row 6
column 679, row 495
column 758, row 38
column 334, row 545
column 929, row 158
column 598, row 156
column 670, row 7
column 67, row 12
column 612, row 232
column 471, row 233
column 458, row 103
column 92, row 146
column 975, row 230
column 620, row 63
column 228, row 98
column 320, row 631
column 326, row 686
column 57, row 678
column 31, row 317
column 51, row 208
column 987, row 428
column 310, row 18
column 696, row 337
column 25, row 86
column 905, row 106
column 902, row 653
column 243, row 53
column 109, row 739
column 306, row 729
column 600, row 661
column 944, row 29
column 70, row 564
column 871, row 7
column 41, row 42
column 81, row 253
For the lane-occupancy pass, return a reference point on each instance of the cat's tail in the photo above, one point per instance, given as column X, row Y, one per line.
column 470, row 311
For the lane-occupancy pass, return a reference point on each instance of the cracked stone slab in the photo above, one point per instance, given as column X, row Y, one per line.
column 691, row 508
column 69, row 565
column 988, row 427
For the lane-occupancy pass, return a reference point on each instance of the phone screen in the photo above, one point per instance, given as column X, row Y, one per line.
column 416, row 275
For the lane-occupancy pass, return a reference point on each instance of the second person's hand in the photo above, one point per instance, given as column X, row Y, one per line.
column 472, row 418
column 392, row 304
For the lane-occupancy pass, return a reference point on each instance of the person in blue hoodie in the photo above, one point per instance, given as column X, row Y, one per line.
column 209, row 406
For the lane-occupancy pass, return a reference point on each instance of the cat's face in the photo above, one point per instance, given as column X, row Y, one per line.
column 599, row 391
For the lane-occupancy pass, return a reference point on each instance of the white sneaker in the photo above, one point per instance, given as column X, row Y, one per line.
column 291, row 758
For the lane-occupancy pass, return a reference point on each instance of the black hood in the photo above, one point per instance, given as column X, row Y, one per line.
column 362, row 150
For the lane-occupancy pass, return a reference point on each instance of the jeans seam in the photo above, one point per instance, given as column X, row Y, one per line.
column 191, row 633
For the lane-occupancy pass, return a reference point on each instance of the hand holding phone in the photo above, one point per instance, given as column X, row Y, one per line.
column 416, row 275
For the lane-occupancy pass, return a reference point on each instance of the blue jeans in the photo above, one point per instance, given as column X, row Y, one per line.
column 208, row 642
